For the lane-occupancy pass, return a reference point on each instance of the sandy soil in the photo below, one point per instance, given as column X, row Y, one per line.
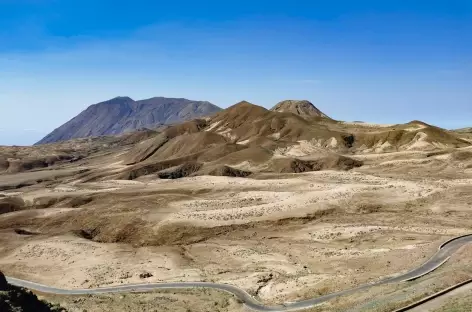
column 281, row 237
column 174, row 301
column 447, row 301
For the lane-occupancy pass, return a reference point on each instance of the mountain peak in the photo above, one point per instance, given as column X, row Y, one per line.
column 245, row 107
column 302, row 108
column 244, row 103
column 117, row 100
column 122, row 98
column 122, row 114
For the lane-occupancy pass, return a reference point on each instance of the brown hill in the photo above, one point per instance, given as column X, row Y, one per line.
column 464, row 130
column 464, row 133
column 239, row 115
column 220, row 151
column 188, row 144
column 149, row 147
column 243, row 137
column 302, row 108
column 136, row 137
column 251, row 138
column 414, row 135
column 246, row 121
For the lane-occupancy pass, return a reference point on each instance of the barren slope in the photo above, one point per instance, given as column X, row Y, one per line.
column 251, row 138
column 122, row 114
column 285, row 207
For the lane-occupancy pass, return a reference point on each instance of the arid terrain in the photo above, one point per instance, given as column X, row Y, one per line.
column 286, row 206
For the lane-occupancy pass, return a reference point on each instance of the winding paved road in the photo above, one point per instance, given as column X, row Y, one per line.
column 439, row 258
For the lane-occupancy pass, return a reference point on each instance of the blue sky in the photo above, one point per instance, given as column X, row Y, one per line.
column 379, row 61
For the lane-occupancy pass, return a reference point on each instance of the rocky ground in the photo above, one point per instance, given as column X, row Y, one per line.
column 176, row 300
column 281, row 235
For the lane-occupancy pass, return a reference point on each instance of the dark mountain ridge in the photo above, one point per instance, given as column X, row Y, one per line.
column 123, row 114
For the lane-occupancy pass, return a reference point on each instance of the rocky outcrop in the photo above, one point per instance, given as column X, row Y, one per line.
column 3, row 282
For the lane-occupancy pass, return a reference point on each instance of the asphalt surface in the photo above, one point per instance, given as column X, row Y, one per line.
column 439, row 258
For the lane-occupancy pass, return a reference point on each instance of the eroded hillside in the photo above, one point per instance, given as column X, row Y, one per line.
column 287, row 207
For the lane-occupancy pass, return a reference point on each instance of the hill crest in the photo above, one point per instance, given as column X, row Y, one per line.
column 302, row 108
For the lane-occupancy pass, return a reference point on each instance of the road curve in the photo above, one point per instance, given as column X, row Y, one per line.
column 440, row 257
